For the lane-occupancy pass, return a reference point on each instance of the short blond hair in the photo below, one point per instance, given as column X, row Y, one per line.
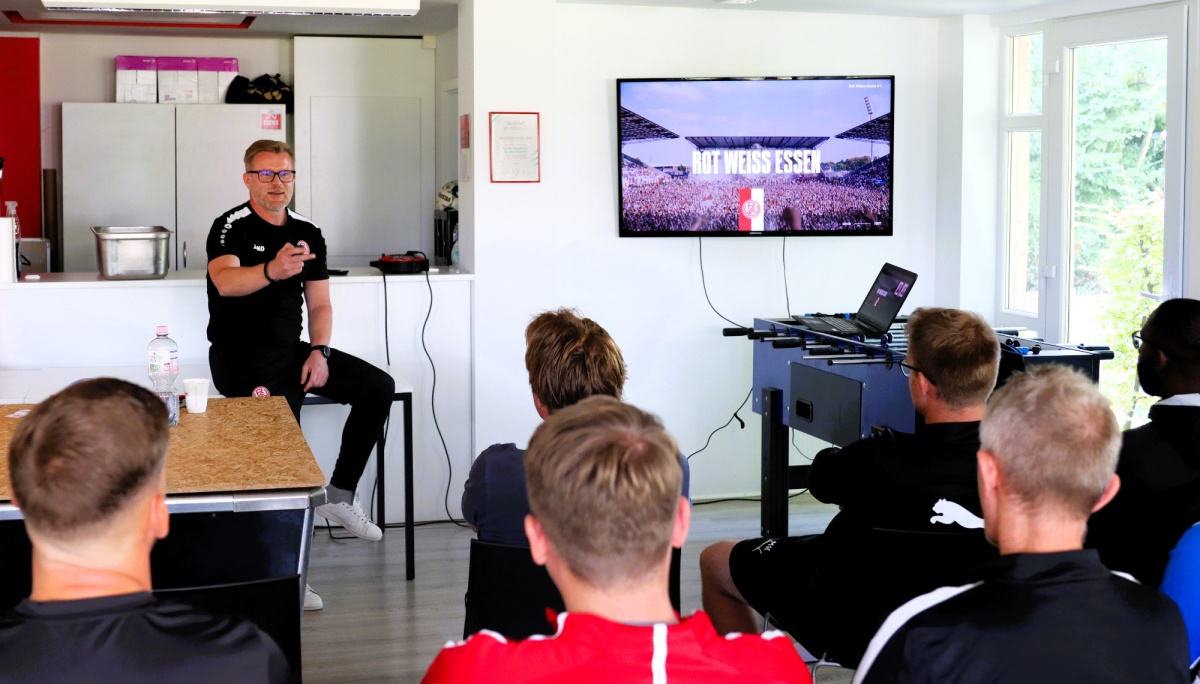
column 1054, row 436
column 957, row 350
column 570, row 357
column 604, row 481
column 270, row 146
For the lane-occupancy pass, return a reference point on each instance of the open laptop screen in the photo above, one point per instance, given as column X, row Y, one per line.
column 886, row 297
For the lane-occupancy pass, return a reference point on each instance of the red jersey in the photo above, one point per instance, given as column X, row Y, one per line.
column 590, row 649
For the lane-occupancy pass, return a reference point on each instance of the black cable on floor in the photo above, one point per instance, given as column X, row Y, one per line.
column 787, row 298
column 433, row 404
column 743, row 498
column 731, row 419
column 700, row 240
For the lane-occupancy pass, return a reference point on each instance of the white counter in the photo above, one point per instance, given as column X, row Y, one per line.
column 78, row 320
column 196, row 276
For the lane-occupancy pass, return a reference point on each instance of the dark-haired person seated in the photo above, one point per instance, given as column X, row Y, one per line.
column 568, row 358
column 605, row 487
column 1160, row 461
column 87, row 468
column 1046, row 610
column 887, row 485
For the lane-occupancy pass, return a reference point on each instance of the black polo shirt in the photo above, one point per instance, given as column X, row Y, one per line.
column 270, row 318
column 132, row 638
column 1048, row 617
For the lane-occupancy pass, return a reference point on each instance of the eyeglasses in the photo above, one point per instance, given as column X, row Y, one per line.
column 908, row 369
column 265, row 176
column 1136, row 338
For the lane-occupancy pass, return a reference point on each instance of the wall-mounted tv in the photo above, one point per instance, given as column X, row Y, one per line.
column 755, row 156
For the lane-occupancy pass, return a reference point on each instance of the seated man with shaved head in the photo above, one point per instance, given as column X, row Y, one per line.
column 1160, row 461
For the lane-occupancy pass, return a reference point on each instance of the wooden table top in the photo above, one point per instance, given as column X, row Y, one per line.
column 237, row 445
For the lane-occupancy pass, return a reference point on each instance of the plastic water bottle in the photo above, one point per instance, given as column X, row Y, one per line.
column 11, row 211
column 163, row 356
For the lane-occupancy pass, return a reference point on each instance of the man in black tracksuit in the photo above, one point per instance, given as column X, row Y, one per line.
column 1047, row 610
column 1160, row 461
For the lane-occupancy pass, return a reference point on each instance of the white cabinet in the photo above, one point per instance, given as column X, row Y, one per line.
column 365, row 144
column 176, row 166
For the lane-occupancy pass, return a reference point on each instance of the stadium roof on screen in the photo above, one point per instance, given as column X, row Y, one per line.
column 742, row 142
column 637, row 128
column 876, row 130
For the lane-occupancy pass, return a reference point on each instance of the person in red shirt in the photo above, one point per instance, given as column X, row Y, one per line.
column 605, row 493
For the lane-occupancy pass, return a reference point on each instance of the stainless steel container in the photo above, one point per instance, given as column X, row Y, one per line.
column 132, row 252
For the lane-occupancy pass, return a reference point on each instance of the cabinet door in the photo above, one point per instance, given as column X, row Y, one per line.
column 118, row 170
column 367, row 176
column 210, row 141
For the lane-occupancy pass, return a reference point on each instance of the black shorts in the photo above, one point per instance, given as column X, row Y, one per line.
column 775, row 575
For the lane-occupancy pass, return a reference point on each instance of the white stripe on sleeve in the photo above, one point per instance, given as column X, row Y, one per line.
column 899, row 617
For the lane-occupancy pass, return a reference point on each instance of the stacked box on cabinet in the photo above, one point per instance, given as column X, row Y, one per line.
column 178, row 80
column 137, row 79
column 215, row 75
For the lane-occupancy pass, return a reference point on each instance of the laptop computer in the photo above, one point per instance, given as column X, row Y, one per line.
column 878, row 310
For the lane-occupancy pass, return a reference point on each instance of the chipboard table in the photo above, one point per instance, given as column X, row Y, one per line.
column 242, row 486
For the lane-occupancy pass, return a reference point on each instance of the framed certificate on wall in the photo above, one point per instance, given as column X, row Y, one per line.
column 515, row 147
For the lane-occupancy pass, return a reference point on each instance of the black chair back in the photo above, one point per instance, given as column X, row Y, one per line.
column 273, row 605
column 509, row 594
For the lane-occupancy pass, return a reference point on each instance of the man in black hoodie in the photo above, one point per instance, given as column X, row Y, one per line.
column 1159, row 465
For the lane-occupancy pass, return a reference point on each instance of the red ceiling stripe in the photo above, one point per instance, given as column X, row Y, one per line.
column 16, row 18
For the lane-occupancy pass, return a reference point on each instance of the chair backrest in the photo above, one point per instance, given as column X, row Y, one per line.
column 864, row 581
column 273, row 605
column 508, row 593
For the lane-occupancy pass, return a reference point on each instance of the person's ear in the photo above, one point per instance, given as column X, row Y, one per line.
column 683, row 522
column 539, row 546
column 1114, row 486
column 160, row 517
column 246, row 179
column 542, row 411
column 989, row 474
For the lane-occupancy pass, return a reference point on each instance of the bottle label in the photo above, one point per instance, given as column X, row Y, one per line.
column 164, row 362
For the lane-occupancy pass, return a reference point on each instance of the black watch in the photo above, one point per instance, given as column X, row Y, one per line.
column 323, row 348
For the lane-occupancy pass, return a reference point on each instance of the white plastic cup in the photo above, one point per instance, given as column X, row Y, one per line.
column 197, row 394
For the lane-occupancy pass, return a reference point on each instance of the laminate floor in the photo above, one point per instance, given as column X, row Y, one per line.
column 376, row 627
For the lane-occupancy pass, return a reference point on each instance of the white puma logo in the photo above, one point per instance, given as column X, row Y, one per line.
column 949, row 512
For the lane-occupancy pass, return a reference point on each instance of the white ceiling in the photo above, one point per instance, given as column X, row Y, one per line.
column 905, row 8
column 438, row 16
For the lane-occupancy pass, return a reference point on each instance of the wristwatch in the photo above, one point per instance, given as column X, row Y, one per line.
column 323, row 348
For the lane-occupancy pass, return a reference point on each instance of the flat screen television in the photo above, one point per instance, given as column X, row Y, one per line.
column 755, row 156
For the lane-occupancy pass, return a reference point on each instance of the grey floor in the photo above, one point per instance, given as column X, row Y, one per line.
column 376, row 627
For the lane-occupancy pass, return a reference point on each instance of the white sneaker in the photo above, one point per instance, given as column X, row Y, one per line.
column 312, row 600
column 352, row 518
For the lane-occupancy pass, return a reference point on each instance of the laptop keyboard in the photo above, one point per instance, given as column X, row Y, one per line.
column 842, row 325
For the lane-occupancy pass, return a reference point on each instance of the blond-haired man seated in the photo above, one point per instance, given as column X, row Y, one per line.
column 1046, row 610
column 605, row 489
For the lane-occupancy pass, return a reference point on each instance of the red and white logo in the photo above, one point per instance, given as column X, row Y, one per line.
column 750, row 209
column 271, row 120
column 303, row 245
column 260, row 391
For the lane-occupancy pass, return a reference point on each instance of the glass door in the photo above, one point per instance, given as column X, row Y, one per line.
column 1112, row 239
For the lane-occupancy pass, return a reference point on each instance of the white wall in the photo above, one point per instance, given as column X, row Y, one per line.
column 80, row 68
column 967, row 163
column 540, row 246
